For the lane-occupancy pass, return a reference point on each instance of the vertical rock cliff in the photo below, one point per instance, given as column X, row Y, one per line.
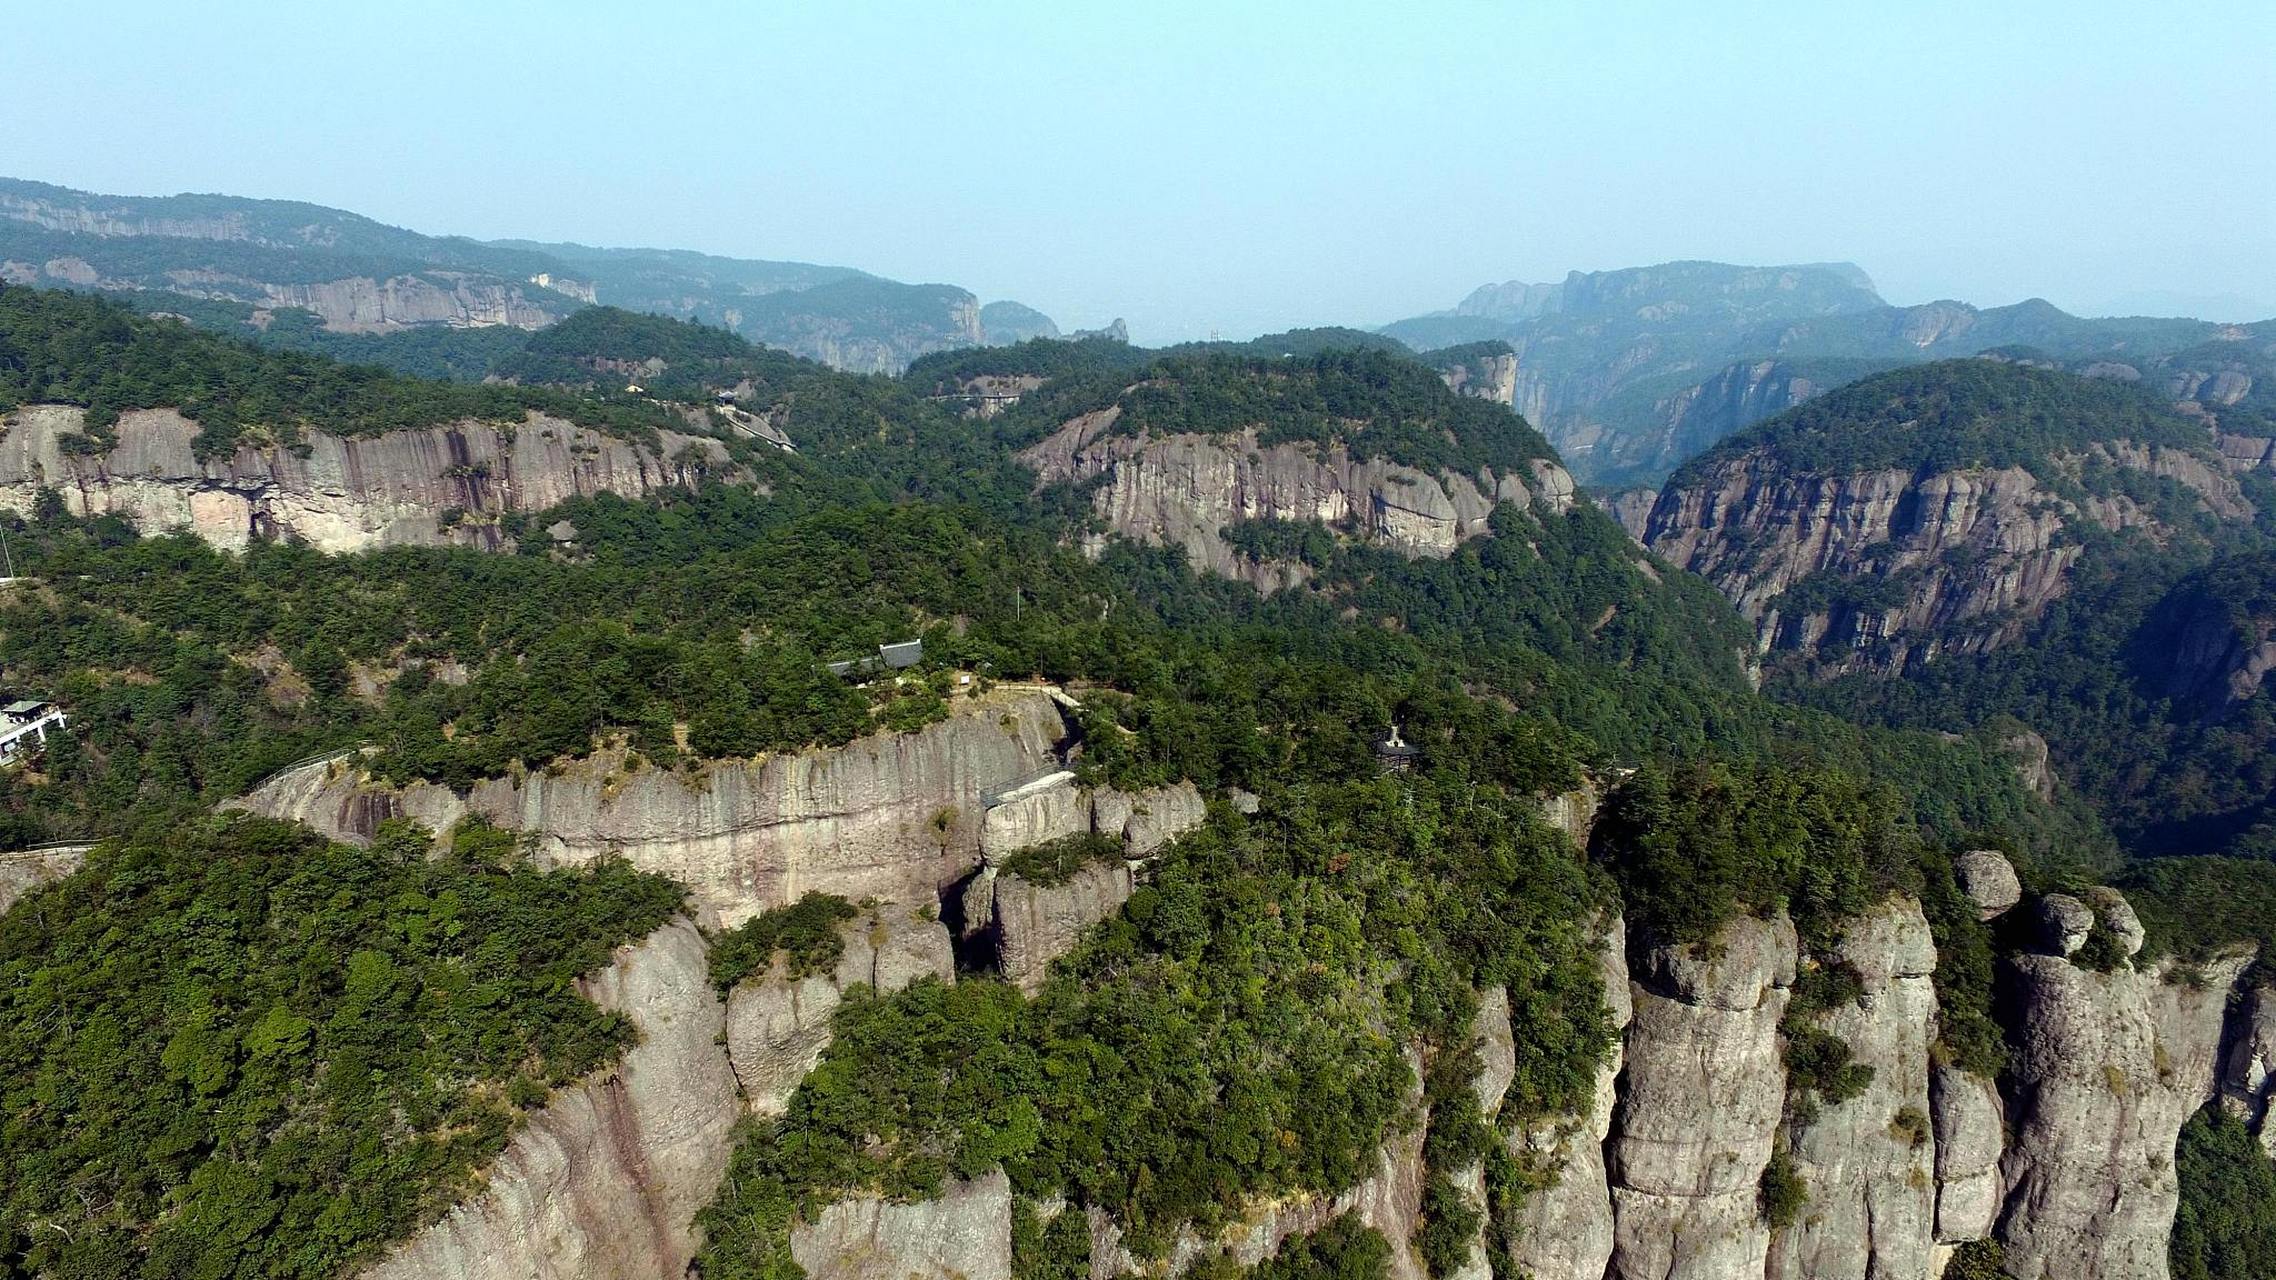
column 1564, row 1231
column 964, row 1234
column 2108, row 1067
column 604, row 1182
column 891, row 816
column 778, row 1026
column 1184, row 490
column 22, row 871
column 1959, row 560
column 337, row 493
column 1870, row 1161
column 2067, row 1161
column 1029, row 921
column 1700, row 1101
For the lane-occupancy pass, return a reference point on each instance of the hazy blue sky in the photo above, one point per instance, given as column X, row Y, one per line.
column 1220, row 166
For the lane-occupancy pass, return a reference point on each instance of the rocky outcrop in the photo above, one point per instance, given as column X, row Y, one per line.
column 1031, row 922
column 1949, row 561
column 1869, row 1161
column 964, row 1234
column 1564, row 1230
column 2248, row 1065
column 1490, row 375
column 364, row 304
column 1970, row 1123
column 778, row 1026
column 1989, row 880
column 2034, row 762
column 1681, row 424
column 1184, row 490
column 895, row 817
column 1037, row 923
column 2211, row 648
column 26, row 870
column 1574, row 812
column 2106, row 1068
column 1631, row 509
column 347, row 304
column 604, row 1182
column 337, row 493
column 2070, row 1168
column 1702, row 1093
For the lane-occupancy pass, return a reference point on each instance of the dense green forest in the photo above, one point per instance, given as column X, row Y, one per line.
column 1374, row 403
column 1169, row 1067
column 68, row 348
column 228, row 1048
column 1957, row 413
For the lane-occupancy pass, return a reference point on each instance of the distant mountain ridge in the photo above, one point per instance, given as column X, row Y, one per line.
column 358, row 275
column 1631, row 372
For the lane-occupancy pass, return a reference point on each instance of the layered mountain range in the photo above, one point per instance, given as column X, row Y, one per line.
column 254, row 259
column 1630, row 372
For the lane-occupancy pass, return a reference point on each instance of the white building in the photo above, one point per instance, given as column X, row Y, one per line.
column 24, row 725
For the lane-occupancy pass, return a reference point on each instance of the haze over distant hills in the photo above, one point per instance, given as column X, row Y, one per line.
column 357, row 275
column 1629, row 372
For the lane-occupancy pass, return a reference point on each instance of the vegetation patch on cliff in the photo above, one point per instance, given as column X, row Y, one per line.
column 2225, row 1228
column 1056, row 861
column 804, row 933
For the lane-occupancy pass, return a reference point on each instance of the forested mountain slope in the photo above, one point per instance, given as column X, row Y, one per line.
column 1111, row 936
column 2014, row 541
column 1942, row 509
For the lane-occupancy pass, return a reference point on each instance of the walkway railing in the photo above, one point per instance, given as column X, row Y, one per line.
column 48, row 846
column 990, row 799
column 325, row 757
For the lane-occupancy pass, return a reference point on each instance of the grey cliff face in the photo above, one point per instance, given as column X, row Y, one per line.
column 25, row 870
column 1683, row 424
column 965, row 1234
column 604, row 1183
column 1183, row 490
column 1702, row 1094
column 2067, row 1162
column 1036, row 923
column 1574, row 813
column 2248, row 1065
column 1869, row 1161
column 777, row 1026
column 1970, row 1122
column 1973, row 555
column 1491, row 377
column 343, row 493
column 2107, row 1068
column 891, row 816
column 363, row 304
